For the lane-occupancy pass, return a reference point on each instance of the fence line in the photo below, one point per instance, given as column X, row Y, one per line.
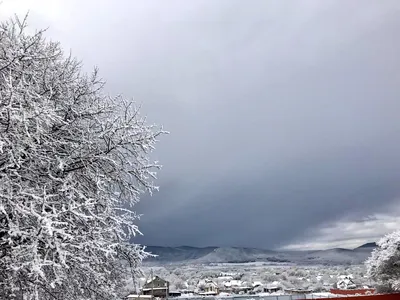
column 258, row 297
column 296, row 297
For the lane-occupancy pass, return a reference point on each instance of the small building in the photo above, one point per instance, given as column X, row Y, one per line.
column 271, row 288
column 174, row 294
column 211, row 288
column 156, row 287
column 208, row 287
column 232, row 284
column 242, row 290
column 298, row 291
column 346, row 283
column 257, row 283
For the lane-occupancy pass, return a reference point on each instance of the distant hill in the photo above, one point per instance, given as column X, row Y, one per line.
column 209, row 255
column 368, row 245
column 178, row 254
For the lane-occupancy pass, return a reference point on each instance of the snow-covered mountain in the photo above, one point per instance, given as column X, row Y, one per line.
column 207, row 255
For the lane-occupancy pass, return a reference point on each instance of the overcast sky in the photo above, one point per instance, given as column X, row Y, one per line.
column 284, row 115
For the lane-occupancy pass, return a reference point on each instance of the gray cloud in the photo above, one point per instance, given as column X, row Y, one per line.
column 283, row 115
column 350, row 233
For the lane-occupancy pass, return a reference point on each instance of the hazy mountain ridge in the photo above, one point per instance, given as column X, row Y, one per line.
column 208, row 255
column 368, row 245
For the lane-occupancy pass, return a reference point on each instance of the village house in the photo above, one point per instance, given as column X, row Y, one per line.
column 271, row 288
column 237, row 287
column 156, row 287
column 257, row 283
column 208, row 287
column 346, row 283
column 265, row 288
column 232, row 284
column 173, row 294
column 298, row 291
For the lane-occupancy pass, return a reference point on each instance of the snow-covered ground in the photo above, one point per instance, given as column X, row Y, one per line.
column 258, row 280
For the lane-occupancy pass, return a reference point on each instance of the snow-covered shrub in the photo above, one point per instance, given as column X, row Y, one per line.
column 180, row 285
column 384, row 263
column 73, row 163
column 383, row 289
column 270, row 277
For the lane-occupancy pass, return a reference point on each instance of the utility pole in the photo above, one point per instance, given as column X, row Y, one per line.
column 140, row 288
column 152, row 283
column 166, row 290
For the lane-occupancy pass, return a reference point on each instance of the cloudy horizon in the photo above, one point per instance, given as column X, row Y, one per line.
column 283, row 115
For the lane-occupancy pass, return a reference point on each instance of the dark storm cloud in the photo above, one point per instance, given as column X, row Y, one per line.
column 283, row 115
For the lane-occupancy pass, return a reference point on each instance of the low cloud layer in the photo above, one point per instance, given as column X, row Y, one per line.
column 350, row 233
column 283, row 115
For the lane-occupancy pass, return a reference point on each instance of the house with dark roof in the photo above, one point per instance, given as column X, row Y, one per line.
column 156, row 287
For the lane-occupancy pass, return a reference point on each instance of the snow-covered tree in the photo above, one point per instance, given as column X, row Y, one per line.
column 73, row 163
column 384, row 263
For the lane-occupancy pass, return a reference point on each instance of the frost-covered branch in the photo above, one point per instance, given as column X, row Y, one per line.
column 73, row 163
column 384, row 263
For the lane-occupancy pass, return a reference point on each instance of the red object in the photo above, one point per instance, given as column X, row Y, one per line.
column 371, row 297
column 353, row 292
